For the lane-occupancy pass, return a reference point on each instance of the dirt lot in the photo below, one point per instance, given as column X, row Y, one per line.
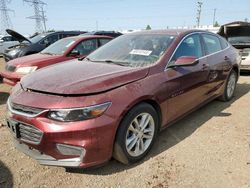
column 209, row 148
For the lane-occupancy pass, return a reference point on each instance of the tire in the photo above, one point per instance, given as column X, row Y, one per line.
column 230, row 86
column 131, row 136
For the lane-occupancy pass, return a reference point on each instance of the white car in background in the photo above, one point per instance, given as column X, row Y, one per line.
column 6, row 42
column 238, row 35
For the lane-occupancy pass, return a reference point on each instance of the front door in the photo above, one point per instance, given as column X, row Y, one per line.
column 192, row 79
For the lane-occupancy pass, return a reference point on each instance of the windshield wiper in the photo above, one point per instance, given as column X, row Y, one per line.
column 47, row 53
column 125, row 64
column 106, row 61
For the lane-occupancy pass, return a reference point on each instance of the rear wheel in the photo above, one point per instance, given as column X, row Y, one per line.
column 230, row 87
column 136, row 134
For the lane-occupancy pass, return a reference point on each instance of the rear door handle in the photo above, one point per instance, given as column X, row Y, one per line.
column 226, row 58
column 205, row 66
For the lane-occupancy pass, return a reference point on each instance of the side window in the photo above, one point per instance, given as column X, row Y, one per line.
column 191, row 46
column 65, row 35
column 50, row 39
column 224, row 43
column 7, row 39
column 103, row 41
column 86, row 47
column 212, row 43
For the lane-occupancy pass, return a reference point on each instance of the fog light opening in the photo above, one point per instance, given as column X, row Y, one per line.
column 70, row 150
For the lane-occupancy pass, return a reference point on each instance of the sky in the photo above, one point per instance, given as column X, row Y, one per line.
column 126, row 14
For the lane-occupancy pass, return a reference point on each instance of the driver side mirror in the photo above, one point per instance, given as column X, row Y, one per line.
column 185, row 61
column 74, row 53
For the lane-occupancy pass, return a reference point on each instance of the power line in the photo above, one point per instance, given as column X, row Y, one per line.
column 199, row 4
column 5, row 22
column 39, row 16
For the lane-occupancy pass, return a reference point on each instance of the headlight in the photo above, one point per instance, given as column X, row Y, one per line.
column 14, row 52
column 78, row 114
column 26, row 70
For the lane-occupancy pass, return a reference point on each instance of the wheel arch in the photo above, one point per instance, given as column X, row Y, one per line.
column 154, row 103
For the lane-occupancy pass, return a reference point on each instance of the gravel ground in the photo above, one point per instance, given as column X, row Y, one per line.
column 208, row 148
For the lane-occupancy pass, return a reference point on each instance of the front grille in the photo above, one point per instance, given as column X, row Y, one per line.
column 25, row 109
column 10, row 68
column 25, row 132
column 30, row 134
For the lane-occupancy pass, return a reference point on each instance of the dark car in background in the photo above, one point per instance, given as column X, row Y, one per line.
column 62, row 50
column 35, row 44
column 238, row 35
column 113, row 34
column 115, row 101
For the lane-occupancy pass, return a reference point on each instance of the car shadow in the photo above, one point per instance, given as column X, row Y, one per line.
column 3, row 97
column 173, row 134
column 6, row 178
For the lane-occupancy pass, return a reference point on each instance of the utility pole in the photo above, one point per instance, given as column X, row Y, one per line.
column 199, row 4
column 214, row 16
column 5, row 22
column 39, row 16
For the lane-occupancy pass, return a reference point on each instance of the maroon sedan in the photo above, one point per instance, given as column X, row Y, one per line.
column 62, row 50
column 114, row 102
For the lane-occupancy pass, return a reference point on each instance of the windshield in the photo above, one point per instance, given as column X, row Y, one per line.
column 239, row 40
column 37, row 38
column 133, row 50
column 59, row 47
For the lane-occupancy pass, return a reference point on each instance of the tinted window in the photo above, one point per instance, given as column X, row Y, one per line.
column 224, row 43
column 212, row 43
column 7, row 39
column 87, row 46
column 37, row 38
column 50, row 39
column 66, row 35
column 103, row 41
column 239, row 39
column 191, row 46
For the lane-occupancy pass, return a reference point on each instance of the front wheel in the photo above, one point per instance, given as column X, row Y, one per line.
column 136, row 134
column 229, row 87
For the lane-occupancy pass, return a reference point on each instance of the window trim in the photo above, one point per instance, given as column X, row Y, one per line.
column 199, row 32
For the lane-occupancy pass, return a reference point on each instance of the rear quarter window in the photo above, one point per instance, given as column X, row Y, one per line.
column 224, row 43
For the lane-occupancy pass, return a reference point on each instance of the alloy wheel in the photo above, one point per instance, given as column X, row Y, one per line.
column 140, row 134
column 231, row 85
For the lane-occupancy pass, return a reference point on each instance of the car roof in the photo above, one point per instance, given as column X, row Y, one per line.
column 80, row 37
column 63, row 32
column 174, row 32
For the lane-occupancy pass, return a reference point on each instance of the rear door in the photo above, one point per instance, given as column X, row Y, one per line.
column 218, row 60
column 192, row 79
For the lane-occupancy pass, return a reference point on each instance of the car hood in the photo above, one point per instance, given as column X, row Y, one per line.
column 17, row 35
column 81, row 78
column 33, row 60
